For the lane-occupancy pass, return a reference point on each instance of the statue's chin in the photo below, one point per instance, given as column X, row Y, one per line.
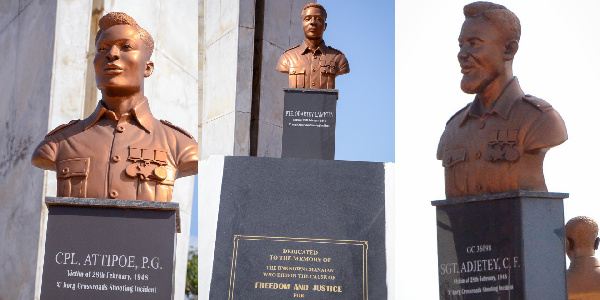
column 468, row 86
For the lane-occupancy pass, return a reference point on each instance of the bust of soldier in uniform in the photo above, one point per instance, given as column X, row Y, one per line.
column 312, row 64
column 583, row 275
column 120, row 151
column 496, row 143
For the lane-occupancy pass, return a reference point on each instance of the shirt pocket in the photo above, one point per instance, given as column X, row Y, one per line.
column 328, row 71
column 455, row 172
column 71, row 175
column 297, row 77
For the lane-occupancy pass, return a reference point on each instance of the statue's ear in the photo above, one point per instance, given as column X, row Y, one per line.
column 596, row 243
column 325, row 26
column 512, row 47
column 149, row 69
column 570, row 244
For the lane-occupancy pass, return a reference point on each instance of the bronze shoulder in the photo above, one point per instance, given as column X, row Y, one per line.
column 291, row 48
column 169, row 124
column 458, row 113
column 538, row 103
column 61, row 127
column 336, row 50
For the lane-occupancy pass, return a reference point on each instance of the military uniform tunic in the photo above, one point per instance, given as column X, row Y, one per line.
column 502, row 149
column 134, row 157
column 313, row 68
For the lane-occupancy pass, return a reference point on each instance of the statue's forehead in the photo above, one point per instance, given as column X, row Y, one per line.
column 313, row 11
column 119, row 32
column 480, row 28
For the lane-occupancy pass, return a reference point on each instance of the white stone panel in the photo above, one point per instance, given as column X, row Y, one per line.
column 27, row 43
column 245, row 68
column 217, row 135
column 220, row 77
column 9, row 9
column 145, row 12
column 175, row 94
column 210, row 178
column 177, row 35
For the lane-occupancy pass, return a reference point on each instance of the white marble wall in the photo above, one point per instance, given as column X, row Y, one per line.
column 26, row 46
column 282, row 30
column 227, row 76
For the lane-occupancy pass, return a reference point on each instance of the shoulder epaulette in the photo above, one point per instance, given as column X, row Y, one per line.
column 61, row 127
column 177, row 128
column 457, row 113
column 538, row 103
column 335, row 50
column 291, row 48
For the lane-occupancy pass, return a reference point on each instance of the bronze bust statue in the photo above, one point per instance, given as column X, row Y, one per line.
column 313, row 64
column 120, row 151
column 583, row 275
column 496, row 143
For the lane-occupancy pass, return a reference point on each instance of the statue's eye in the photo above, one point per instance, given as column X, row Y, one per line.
column 127, row 47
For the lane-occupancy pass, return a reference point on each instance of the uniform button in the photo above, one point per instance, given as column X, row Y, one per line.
column 481, row 124
column 120, row 128
column 113, row 194
column 65, row 171
column 477, row 154
column 478, row 187
column 116, row 158
column 313, row 84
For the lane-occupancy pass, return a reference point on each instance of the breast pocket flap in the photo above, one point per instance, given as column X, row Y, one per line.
column 453, row 157
column 74, row 167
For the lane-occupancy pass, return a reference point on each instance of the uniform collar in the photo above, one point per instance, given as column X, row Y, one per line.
column 501, row 106
column 140, row 112
column 321, row 48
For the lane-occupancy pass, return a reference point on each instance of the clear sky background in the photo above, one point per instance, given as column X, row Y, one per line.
column 365, row 109
column 558, row 60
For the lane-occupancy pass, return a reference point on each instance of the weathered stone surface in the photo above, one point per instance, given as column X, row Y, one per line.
column 27, row 43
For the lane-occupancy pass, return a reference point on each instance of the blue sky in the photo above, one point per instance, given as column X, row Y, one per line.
column 364, row 32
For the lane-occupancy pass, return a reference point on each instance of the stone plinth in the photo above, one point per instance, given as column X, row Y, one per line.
column 331, row 213
column 502, row 246
column 309, row 123
column 109, row 249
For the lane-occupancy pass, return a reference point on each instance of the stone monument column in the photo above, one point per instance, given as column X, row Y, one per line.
column 242, row 97
column 48, row 80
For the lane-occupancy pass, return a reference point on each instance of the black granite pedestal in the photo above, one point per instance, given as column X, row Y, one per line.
column 296, row 228
column 309, row 123
column 507, row 245
column 109, row 249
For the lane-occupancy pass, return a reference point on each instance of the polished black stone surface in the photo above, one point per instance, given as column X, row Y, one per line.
column 491, row 247
column 309, row 123
column 307, row 227
column 102, row 249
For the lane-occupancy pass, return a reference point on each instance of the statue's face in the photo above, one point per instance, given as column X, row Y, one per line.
column 121, row 61
column 313, row 23
column 481, row 55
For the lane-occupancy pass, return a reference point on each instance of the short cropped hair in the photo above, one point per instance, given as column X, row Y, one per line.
column 118, row 18
column 319, row 6
column 582, row 231
column 498, row 15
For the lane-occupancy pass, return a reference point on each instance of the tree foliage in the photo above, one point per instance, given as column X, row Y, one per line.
column 191, row 280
